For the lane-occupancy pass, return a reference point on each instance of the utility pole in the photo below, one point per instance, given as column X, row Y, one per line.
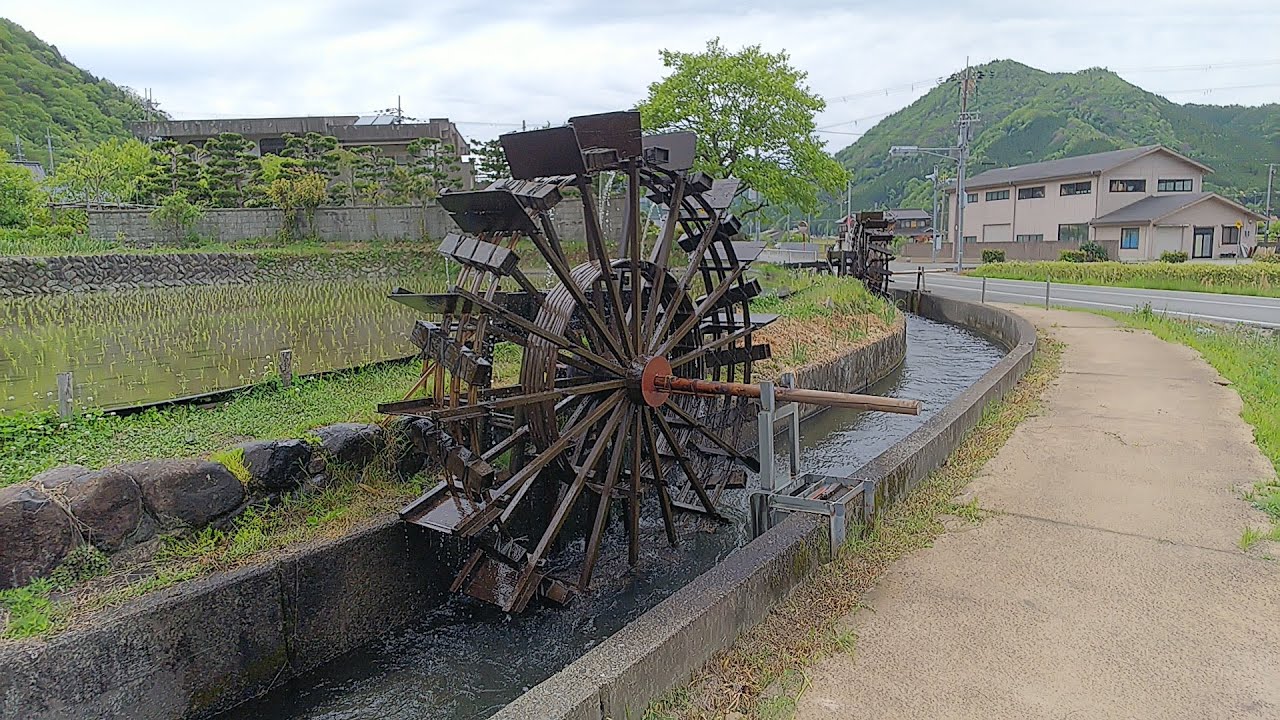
column 17, row 140
column 1271, row 173
column 48, row 141
column 933, row 218
column 965, row 120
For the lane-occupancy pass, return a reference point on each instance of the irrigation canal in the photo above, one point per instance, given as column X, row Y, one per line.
column 464, row 661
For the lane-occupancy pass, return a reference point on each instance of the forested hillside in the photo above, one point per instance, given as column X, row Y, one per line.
column 1028, row 115
column 41, row 90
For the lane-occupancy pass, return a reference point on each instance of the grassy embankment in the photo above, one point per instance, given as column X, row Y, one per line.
column 762, row 674
column 1255, row 278
column 1250, row 359
column 827, row 317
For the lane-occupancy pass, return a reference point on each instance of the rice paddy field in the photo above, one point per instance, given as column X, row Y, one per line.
column 1249, row 278
column 130, row 348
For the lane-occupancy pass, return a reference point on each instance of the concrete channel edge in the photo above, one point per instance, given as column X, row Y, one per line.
column 618, row 678
column 205, row 646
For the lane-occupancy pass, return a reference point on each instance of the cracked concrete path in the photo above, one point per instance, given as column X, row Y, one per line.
column 1108, row 583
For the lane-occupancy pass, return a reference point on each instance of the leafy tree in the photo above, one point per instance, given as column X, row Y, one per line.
column 493, row 161
column 433, row 166
column 178, row 216
column 298, row 191
column 174, row 167
column 317, row 153
column 21, row 199
column 111, row 172
column 371, row 173
column 754, row 116
column 229, row 169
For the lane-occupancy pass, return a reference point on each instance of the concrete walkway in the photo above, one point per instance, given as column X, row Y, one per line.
column 1109, row 584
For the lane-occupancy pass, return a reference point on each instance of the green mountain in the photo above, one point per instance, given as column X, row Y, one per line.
column 1028, row 115
column 40, row 90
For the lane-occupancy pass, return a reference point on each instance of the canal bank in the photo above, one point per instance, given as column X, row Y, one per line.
column 208, row 644
column 662, row 648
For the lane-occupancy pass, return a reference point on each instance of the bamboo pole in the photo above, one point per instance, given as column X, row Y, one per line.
column 690, row 386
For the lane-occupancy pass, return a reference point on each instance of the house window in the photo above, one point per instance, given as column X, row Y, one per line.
column 1128, row 238
column 1076, row 188
column 1078, row 232
column 1038, row 237
column 998, row 195
column 971, row 197
column 1230, row 235
column 1030, row 193
column 1173, row 185
column 970, row 238
column 1128, row 186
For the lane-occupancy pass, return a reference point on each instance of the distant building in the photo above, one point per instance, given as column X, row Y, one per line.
column 381, row 131
column 1148, row 200
column 911, row 223
column 35, row 168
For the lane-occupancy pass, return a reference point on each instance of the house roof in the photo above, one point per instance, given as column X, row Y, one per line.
column 1094, row 164
column 1156, row 207
column 909, row 214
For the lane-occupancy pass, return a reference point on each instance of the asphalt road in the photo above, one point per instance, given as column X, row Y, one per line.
column 1260, row 311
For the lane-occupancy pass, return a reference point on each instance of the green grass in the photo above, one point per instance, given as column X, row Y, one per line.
column 1250, row 359
column 31, row 442
column 1262, row 279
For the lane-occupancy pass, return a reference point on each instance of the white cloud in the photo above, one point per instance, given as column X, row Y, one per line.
column 493, row 64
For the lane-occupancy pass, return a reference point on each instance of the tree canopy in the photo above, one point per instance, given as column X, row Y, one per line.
column 754, row 116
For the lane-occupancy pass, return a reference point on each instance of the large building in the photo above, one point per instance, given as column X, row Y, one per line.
column 386, row 132
column 1148, row 200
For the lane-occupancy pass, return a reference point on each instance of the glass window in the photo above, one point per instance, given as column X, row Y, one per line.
column 1230, row 235
column 1038, row 237
column 1128, row 238
column 1030, row 193
column 1076, row 231
column 1076, row 188
column 998, row 195
column 970, row 238
column 971, row 197
column 1173, row 185
column 1128, row 186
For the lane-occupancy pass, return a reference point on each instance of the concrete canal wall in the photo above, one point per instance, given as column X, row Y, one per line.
column 204, row 646
column 618, row 678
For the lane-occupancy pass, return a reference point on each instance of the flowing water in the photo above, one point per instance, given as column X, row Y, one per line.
column 464, row 661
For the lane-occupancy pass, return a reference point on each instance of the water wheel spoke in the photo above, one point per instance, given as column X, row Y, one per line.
column 708, row 304
column 562, row 272
column 713, row 345
column 695, row 480
column 660, row 480
column 518, row 485
column 706, row 432
column 556, row 339
column 661, row 258
column 602, row 508
column 598, row 252
column 682, row 287
column 568, row 501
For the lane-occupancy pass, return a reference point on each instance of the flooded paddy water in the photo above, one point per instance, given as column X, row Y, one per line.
column 465, row 660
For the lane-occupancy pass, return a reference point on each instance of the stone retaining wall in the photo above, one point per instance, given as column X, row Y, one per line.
column 201, row 647
column 134, row 228
column 95, row 273
column 622, row 675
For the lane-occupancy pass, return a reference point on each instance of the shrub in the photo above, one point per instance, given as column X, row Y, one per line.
column 992, row 256
column 1075, row 256
column 1173, row 256
column 1093, row 252
column 1266, row 255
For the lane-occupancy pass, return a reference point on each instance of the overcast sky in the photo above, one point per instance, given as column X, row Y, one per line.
column 489, row 64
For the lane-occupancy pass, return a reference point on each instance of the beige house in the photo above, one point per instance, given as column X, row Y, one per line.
column 1147, row 200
